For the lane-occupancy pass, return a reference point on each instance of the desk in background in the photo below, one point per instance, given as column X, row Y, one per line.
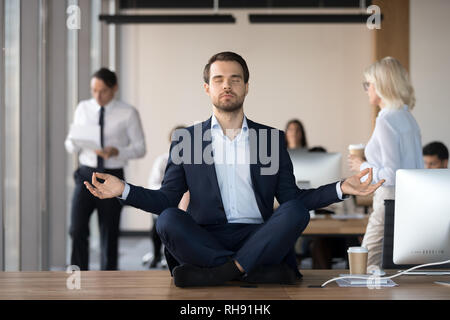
column 364, row 201
column 329, row 226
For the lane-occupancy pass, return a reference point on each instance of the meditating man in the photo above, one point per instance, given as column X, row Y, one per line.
column 233, row 168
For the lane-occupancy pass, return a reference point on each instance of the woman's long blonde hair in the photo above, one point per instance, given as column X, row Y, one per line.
column 392, row 83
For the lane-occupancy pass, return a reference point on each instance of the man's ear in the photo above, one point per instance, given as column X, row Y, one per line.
column 246, row 88
column 445, row 163
column 115, row 88
column 206, row 87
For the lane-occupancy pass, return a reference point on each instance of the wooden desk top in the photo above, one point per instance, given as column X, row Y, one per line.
column 330, row 226
column 157, row 284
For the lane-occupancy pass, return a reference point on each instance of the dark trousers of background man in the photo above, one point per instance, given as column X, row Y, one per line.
column 108, row 210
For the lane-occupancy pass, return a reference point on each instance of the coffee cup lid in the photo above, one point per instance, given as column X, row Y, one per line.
column 357, row 250
column 356, row 146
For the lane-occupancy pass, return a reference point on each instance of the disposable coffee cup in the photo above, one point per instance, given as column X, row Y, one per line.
column 357, row 149
column 357, row 259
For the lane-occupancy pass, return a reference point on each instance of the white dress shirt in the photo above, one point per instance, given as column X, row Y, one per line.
column 122, row 130
column 232, row 164
column 395, row 144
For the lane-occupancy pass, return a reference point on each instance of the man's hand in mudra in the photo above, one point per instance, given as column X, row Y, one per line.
column 110, row 188
column 354, row 186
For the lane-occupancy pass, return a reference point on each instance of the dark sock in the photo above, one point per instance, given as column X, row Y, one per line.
column 227, row 270
column 188, row 275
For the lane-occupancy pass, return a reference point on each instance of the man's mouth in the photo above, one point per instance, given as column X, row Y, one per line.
column 227, row 95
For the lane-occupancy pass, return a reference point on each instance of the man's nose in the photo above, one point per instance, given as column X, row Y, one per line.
column 227, row 84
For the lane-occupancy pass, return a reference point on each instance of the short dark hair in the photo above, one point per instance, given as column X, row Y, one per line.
column 109, row 77
column 226, row 56
column 317, row 149
column 436, row 148
column 303, row 140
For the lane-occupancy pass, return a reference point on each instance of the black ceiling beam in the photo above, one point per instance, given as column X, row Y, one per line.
column 308, row 18
column 239, row 4
column 172, row 18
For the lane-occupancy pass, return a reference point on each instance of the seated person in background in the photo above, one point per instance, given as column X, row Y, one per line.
column 154, row 182
column 435, row 155
column 295, row 135
column 295, row 139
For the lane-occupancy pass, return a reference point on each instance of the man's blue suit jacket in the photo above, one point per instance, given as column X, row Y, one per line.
column 205, row 204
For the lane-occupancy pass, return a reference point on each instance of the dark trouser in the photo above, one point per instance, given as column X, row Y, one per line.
column 108, row 210
column 156, row 240
column 251, row 245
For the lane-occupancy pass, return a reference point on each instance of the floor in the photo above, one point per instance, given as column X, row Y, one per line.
column 132, row 249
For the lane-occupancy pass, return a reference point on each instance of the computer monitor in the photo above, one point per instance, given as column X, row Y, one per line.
column 314, row 169
column 422, row 216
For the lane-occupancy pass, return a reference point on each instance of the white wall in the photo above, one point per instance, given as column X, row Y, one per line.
column 308, row 71
column 430, row 67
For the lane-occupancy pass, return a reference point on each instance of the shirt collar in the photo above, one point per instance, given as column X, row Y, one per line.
column 216, row 125
column 97, row 106
column 387, row 109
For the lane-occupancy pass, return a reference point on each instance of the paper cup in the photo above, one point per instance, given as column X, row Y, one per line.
column 357, row 150
column 357, row 259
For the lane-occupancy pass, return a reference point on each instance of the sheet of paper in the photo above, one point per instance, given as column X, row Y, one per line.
column 86, row 137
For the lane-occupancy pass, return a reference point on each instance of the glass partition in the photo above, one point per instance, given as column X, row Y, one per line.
column 11, row 200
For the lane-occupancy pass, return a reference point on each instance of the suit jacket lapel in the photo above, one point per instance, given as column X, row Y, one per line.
column 210, row 167
column 253, row 145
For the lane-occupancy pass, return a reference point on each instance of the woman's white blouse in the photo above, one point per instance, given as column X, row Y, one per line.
column 396, row 143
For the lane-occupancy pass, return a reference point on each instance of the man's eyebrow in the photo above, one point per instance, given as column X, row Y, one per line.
column 232, row 76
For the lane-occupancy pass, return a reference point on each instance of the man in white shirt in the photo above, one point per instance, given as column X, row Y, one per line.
column 121, row 139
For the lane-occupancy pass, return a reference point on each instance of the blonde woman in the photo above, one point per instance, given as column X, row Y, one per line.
column 395, row 143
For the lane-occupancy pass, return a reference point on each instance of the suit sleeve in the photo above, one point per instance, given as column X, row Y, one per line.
column 169, row 195
column 287, row 188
